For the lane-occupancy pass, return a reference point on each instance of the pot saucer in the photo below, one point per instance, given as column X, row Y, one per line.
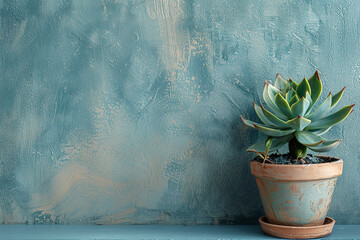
column 296, row 232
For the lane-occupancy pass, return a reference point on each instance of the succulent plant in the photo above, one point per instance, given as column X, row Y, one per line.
column 293, row 116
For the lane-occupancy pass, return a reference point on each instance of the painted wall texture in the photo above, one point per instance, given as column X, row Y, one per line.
column 129, row 111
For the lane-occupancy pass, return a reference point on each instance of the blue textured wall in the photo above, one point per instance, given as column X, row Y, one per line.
column 128, row 111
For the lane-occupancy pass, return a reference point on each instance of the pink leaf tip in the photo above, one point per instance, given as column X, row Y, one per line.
column 317, row 74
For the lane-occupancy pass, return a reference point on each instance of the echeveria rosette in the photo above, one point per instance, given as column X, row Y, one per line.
column 292, row 116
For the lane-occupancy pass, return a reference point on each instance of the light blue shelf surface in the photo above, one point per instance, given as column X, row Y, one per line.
column 90, row 232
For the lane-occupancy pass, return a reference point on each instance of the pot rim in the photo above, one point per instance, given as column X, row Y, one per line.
column 298, row 172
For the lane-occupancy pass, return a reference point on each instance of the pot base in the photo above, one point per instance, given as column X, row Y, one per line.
column 295, row 232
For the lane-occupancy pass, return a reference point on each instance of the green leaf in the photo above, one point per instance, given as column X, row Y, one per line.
column 272, row 91
column 302, row 88
column 249, row 123
column 283, row 105
column 272, row 131
column 321, row 110
column 269, row 102
column 308, row 97
column 274, row 119
column 315, row 86
column 293, row 100
column 257, row 147
column 269, row 142
column 309, row 139
column 280, row 141
column 280, row 83
column 326, row 146
column 298, row 123
column 336, row 98
column 300, row 107
column 276, row 144
column 296, row 149
column 261, row 115
column 291, row 93
column 320, row 131
column 290, row 84
column 332, row 119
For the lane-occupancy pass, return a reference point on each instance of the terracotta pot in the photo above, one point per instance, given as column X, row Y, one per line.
column 297, row 232
column 296, row 195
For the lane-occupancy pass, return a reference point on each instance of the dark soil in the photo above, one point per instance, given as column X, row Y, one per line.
column 278, row 158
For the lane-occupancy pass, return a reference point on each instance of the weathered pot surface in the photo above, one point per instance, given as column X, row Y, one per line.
column 296, row 195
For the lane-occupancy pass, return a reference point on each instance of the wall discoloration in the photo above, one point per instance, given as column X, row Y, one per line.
column 128, row 111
